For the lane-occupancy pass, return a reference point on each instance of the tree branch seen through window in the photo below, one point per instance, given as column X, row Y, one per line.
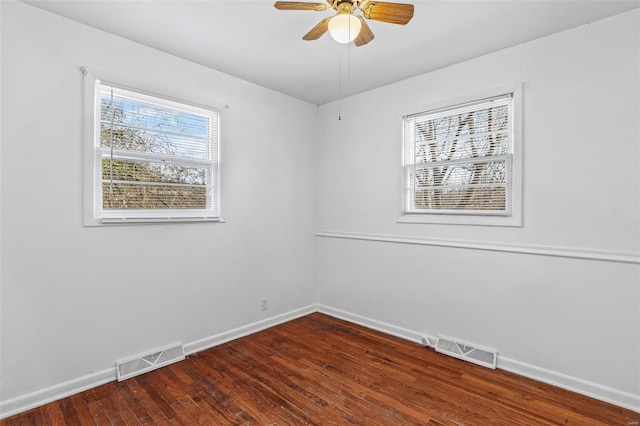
column 458, row 160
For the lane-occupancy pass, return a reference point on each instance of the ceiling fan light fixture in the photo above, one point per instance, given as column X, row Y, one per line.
column 344, row 28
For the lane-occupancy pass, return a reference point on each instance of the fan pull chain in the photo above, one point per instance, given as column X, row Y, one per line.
column 348, row 47
column 349, row 63
column 340, row 86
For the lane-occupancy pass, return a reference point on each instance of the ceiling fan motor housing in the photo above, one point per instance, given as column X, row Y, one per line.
column 337, row 3
column 345, row 8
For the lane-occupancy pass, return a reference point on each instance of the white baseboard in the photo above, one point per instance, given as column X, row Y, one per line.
column 62, row 390
column 236, row 333
column 393, row 330
column 53, row 393
column 573, row 384
column 72, row 387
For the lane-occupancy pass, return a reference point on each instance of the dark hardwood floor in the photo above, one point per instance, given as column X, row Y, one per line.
column 318, row 370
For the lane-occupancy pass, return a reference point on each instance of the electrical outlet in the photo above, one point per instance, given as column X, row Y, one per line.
column 263, row 304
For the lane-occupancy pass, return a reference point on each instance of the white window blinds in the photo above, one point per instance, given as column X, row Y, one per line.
column 158, row 158
column 458, row 160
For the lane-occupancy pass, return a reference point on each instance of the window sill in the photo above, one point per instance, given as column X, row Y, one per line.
column 150, row 220
column 448, row 219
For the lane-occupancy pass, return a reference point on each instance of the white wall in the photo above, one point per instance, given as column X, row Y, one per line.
column 557, row 317
column 75, row 299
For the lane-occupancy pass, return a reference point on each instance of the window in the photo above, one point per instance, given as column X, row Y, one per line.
column 153, row 159
column 459, row 163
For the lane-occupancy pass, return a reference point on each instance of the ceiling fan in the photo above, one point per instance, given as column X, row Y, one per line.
column 346, row 26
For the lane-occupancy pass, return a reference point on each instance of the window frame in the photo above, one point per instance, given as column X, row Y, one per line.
column 93, row 212
column 513, row 216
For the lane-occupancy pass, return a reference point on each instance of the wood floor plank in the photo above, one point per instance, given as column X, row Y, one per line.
column 95, row 408
column 318, row 370
column 178, row 397
column 127, row 397
column 275, row 380
column 393, row 389
column 147, row 405
column 80, row 404
column 237, row 378
column 211, row 394
column 318, row 377
column 122, row 406
column 69, row 412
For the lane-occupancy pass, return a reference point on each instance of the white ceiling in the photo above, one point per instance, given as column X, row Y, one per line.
column 254, row 41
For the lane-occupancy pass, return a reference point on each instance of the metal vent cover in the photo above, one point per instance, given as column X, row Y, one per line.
column 467, row 351
column 141, row 364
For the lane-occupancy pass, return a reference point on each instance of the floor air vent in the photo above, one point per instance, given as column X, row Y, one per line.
column 141, row 364
column 467, row 351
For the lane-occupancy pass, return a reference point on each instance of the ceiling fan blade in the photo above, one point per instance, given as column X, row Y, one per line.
column 299, row 5
column 393, row 13
column 365, row 35
column 318, row 30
